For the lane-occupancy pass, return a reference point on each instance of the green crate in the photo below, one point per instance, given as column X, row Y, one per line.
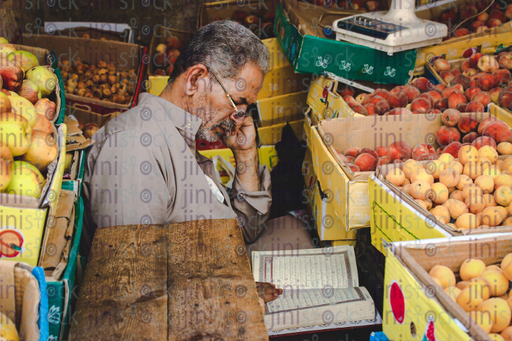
column 312, row 54
column 60, row 292
column 76, row 185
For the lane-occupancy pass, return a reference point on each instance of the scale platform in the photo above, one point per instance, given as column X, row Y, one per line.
column 391, row 32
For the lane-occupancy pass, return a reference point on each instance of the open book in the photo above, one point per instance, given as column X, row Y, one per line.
column 320, row 286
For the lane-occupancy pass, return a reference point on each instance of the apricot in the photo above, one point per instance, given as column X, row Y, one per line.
column 502, row 180
column 507, row 222
column 441, row 212
column 459, row 167
column 422, row 174
column 475, row 203
column 406, row 182
column 480, row 286
column 467, row 221
column 422, row 203
column 489, row 200
column 473, row 169
column 457, row 208
column 457, row 195
column 467, row 154
column 452, row 292
column 453, row 226
column 489, row 153
column 468, row 300
column 439, row 193
column 499, row 312
column 446, row 158
column 486, row 183
column 506, row 165
column 448, row 202
column 493, row 171
column 506, row 334
column 506, row 266
column 407, row 189
column 463, row 181
column 471, row 189
column 503, row 211
column 410, row 166
column 493, row 267
column 396, row 177
column 494, row 336
column 444, row 275
column 484, row 162
column 491, row 216
column 462, row 285
column 449, row 177
column 420, row 189
column 497, row 280
column 435, row 167
column 471, row 268
column 481, row 319
column 504, row 148
column 503, row 195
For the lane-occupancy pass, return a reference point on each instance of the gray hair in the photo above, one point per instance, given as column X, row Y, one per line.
column 224, row 47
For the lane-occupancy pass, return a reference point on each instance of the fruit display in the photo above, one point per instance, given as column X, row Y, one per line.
column 475, row 17
column 27, row 141
column 256, row 19
column 102, row 81
column 418, row 97
column 357, row 5
column 165, row 56
column 482, row 291
column 483, row 78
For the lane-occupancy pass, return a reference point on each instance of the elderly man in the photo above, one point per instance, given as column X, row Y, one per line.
column 144, row 167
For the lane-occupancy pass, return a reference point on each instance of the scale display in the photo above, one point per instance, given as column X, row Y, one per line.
column 370, row 27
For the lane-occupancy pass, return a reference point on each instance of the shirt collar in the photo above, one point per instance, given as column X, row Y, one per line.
column 186, row 123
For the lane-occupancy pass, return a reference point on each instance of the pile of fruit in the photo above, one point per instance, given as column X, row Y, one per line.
column 259, row 21
column 27, row 141
column 165, row 56
column 101, row 82
column 484, row 79
column 360, row 5
column 419, row 97
column 483, row 292
column 496, row 15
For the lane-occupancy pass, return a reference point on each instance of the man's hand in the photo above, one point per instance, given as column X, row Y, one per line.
column 243, row 136
column 268, row 291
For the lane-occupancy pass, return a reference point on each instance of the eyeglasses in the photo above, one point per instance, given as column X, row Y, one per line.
column 239, row 113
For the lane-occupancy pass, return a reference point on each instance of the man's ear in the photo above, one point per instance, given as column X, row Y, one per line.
column 196, row 79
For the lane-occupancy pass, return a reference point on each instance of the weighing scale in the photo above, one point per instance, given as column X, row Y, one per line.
column 397, row 30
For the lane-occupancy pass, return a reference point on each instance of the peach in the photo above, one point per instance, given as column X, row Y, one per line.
column 350, row 159
column 342, row 157
column 370, row 109
column 498, row 131
column 447, row 135
column 346, row 91
column 411, row 92
column 349, row 99
column 465, row 65
column 481, row 97
column 450, row 117
column 476, row 24
column 459, row 88
column 456, row 98
column 488, row 63
column 434, row 111
column 493, row 22
column 482, row 30
column 467, row 154
column 494, row 94
column 422, row 149
column 396, row 89
column 383, row 160
column 483, row 141
column 471, row 91
column 442, row 104
column 369, row 151
column 358, row 108
column 399, row 151
column 453, row 148
column 461, row 32
column 441, row 64
column 398, row 100
column 423, row 84
column 449, row 90
column 439, row 87
column 382, row 107
column 505, row 99
column 399, row 111
column 360, row 98
column 353, row 167
column 449, row 177
column 474, row 106
column 501, row 76
column 436, row 96
column 382, row 93
column 381, row 151
column 470, row 73
column 427, row 95
column 420, row 189
column 366, row 162
column 460, row 79
column 421, row 105
column 473, row 59
column 505, row 60
column 469, row 138
column 467, row 124
column 352, row 151
column 461, row 107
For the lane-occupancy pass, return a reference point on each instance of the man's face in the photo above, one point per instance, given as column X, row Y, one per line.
column 215, row 109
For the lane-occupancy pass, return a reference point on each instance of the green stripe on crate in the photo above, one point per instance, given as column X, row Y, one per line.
column 390, row 216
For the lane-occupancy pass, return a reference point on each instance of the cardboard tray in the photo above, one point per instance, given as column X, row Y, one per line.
column 407, row 267
column 310, row 52
column 125, row 56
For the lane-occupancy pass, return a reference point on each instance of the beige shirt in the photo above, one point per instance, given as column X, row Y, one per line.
column 144, row 169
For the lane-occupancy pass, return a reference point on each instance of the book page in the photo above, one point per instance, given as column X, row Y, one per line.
column 325, row 268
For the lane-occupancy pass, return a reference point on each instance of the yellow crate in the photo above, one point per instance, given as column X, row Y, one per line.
column 157, row 84
column 281, row 109
column 23, row 219
column 413, row 301
column 272, row 134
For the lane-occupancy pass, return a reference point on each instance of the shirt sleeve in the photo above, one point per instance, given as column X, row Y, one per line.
column 252, row 208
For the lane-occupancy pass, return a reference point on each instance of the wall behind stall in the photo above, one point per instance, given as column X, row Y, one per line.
column 142, row 15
